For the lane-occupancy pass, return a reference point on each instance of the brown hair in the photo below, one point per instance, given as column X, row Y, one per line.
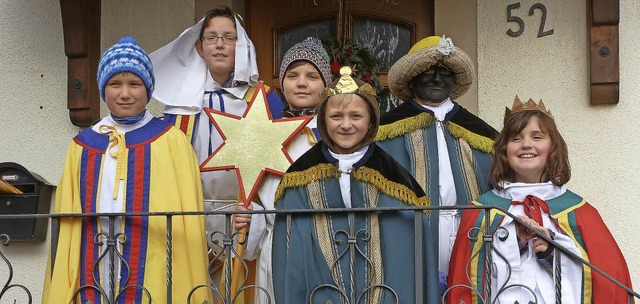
column 374, row 112
column 221, row 11
column 557, row 170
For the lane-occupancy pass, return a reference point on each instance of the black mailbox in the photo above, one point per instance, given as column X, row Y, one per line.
column 36, row 198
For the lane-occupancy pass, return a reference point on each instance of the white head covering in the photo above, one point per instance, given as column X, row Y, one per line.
column 181, row 73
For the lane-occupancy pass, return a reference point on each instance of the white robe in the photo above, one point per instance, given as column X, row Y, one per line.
column 106, row 201
column 449, row 220
column 260, row 238
column 525, row 268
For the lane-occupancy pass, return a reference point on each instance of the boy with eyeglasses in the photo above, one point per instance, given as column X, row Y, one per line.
column 210, row 65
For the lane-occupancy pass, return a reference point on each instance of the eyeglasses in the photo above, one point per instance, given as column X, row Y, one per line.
column 214, row 39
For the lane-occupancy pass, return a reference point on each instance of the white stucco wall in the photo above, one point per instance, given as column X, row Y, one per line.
column 457, row 19
column 602, row 140
column 153, row 23
column 33, row 115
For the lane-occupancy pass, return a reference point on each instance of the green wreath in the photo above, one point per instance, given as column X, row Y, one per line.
column 358, row 57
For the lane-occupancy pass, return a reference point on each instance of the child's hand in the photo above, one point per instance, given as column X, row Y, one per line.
column 540, row 245
column 242, row 220
column 524, row 234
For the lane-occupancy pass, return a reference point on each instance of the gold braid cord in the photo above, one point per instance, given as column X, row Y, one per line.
column 392, row 189
column 302, row 178
column 474, row 140
column 403, row 126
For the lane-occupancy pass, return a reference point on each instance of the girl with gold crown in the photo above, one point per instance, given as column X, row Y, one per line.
column 529, row 171
column 312, row 260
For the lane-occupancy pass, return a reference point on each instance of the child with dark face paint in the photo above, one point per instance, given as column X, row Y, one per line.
column 434, row 85
column 446, row 148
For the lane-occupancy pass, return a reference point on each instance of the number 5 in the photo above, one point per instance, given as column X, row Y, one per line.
column 515, row 19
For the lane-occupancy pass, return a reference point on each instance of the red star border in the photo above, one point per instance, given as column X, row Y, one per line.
column 253, row 144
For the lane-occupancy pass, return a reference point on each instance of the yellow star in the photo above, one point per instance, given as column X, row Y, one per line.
column 253, row 144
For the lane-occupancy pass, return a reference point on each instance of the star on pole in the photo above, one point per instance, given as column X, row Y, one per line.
column 253, row 144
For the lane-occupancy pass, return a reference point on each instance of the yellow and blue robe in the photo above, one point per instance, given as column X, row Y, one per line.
column 306, row 255
column 575, row 217
column 409, row 134
column 161, row 175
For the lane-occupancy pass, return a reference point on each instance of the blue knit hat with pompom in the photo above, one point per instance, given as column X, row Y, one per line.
column 126, row 56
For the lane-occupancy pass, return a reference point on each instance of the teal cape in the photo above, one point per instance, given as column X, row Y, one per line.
column 311, row 254
column 408, row 133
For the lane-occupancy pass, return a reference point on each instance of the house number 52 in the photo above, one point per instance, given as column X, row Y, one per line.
column 520, row 22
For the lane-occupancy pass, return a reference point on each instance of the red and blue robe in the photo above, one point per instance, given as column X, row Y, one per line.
column 161, row 174
column 575, row 217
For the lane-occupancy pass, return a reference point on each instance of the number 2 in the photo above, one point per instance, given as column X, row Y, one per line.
column 543, row 19
column 520, row 22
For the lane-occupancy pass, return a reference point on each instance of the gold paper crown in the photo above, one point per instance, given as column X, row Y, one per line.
column 529, row 105
column 346, row 85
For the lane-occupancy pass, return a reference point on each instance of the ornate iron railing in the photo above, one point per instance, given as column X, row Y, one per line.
column 226, row 293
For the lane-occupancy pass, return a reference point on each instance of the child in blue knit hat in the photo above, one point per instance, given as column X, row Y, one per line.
column 130, row 161
column 126, row 82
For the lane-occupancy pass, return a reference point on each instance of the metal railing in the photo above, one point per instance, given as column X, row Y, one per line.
column 225, row 293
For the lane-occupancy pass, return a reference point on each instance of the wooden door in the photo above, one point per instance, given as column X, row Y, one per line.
column 388, row 28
